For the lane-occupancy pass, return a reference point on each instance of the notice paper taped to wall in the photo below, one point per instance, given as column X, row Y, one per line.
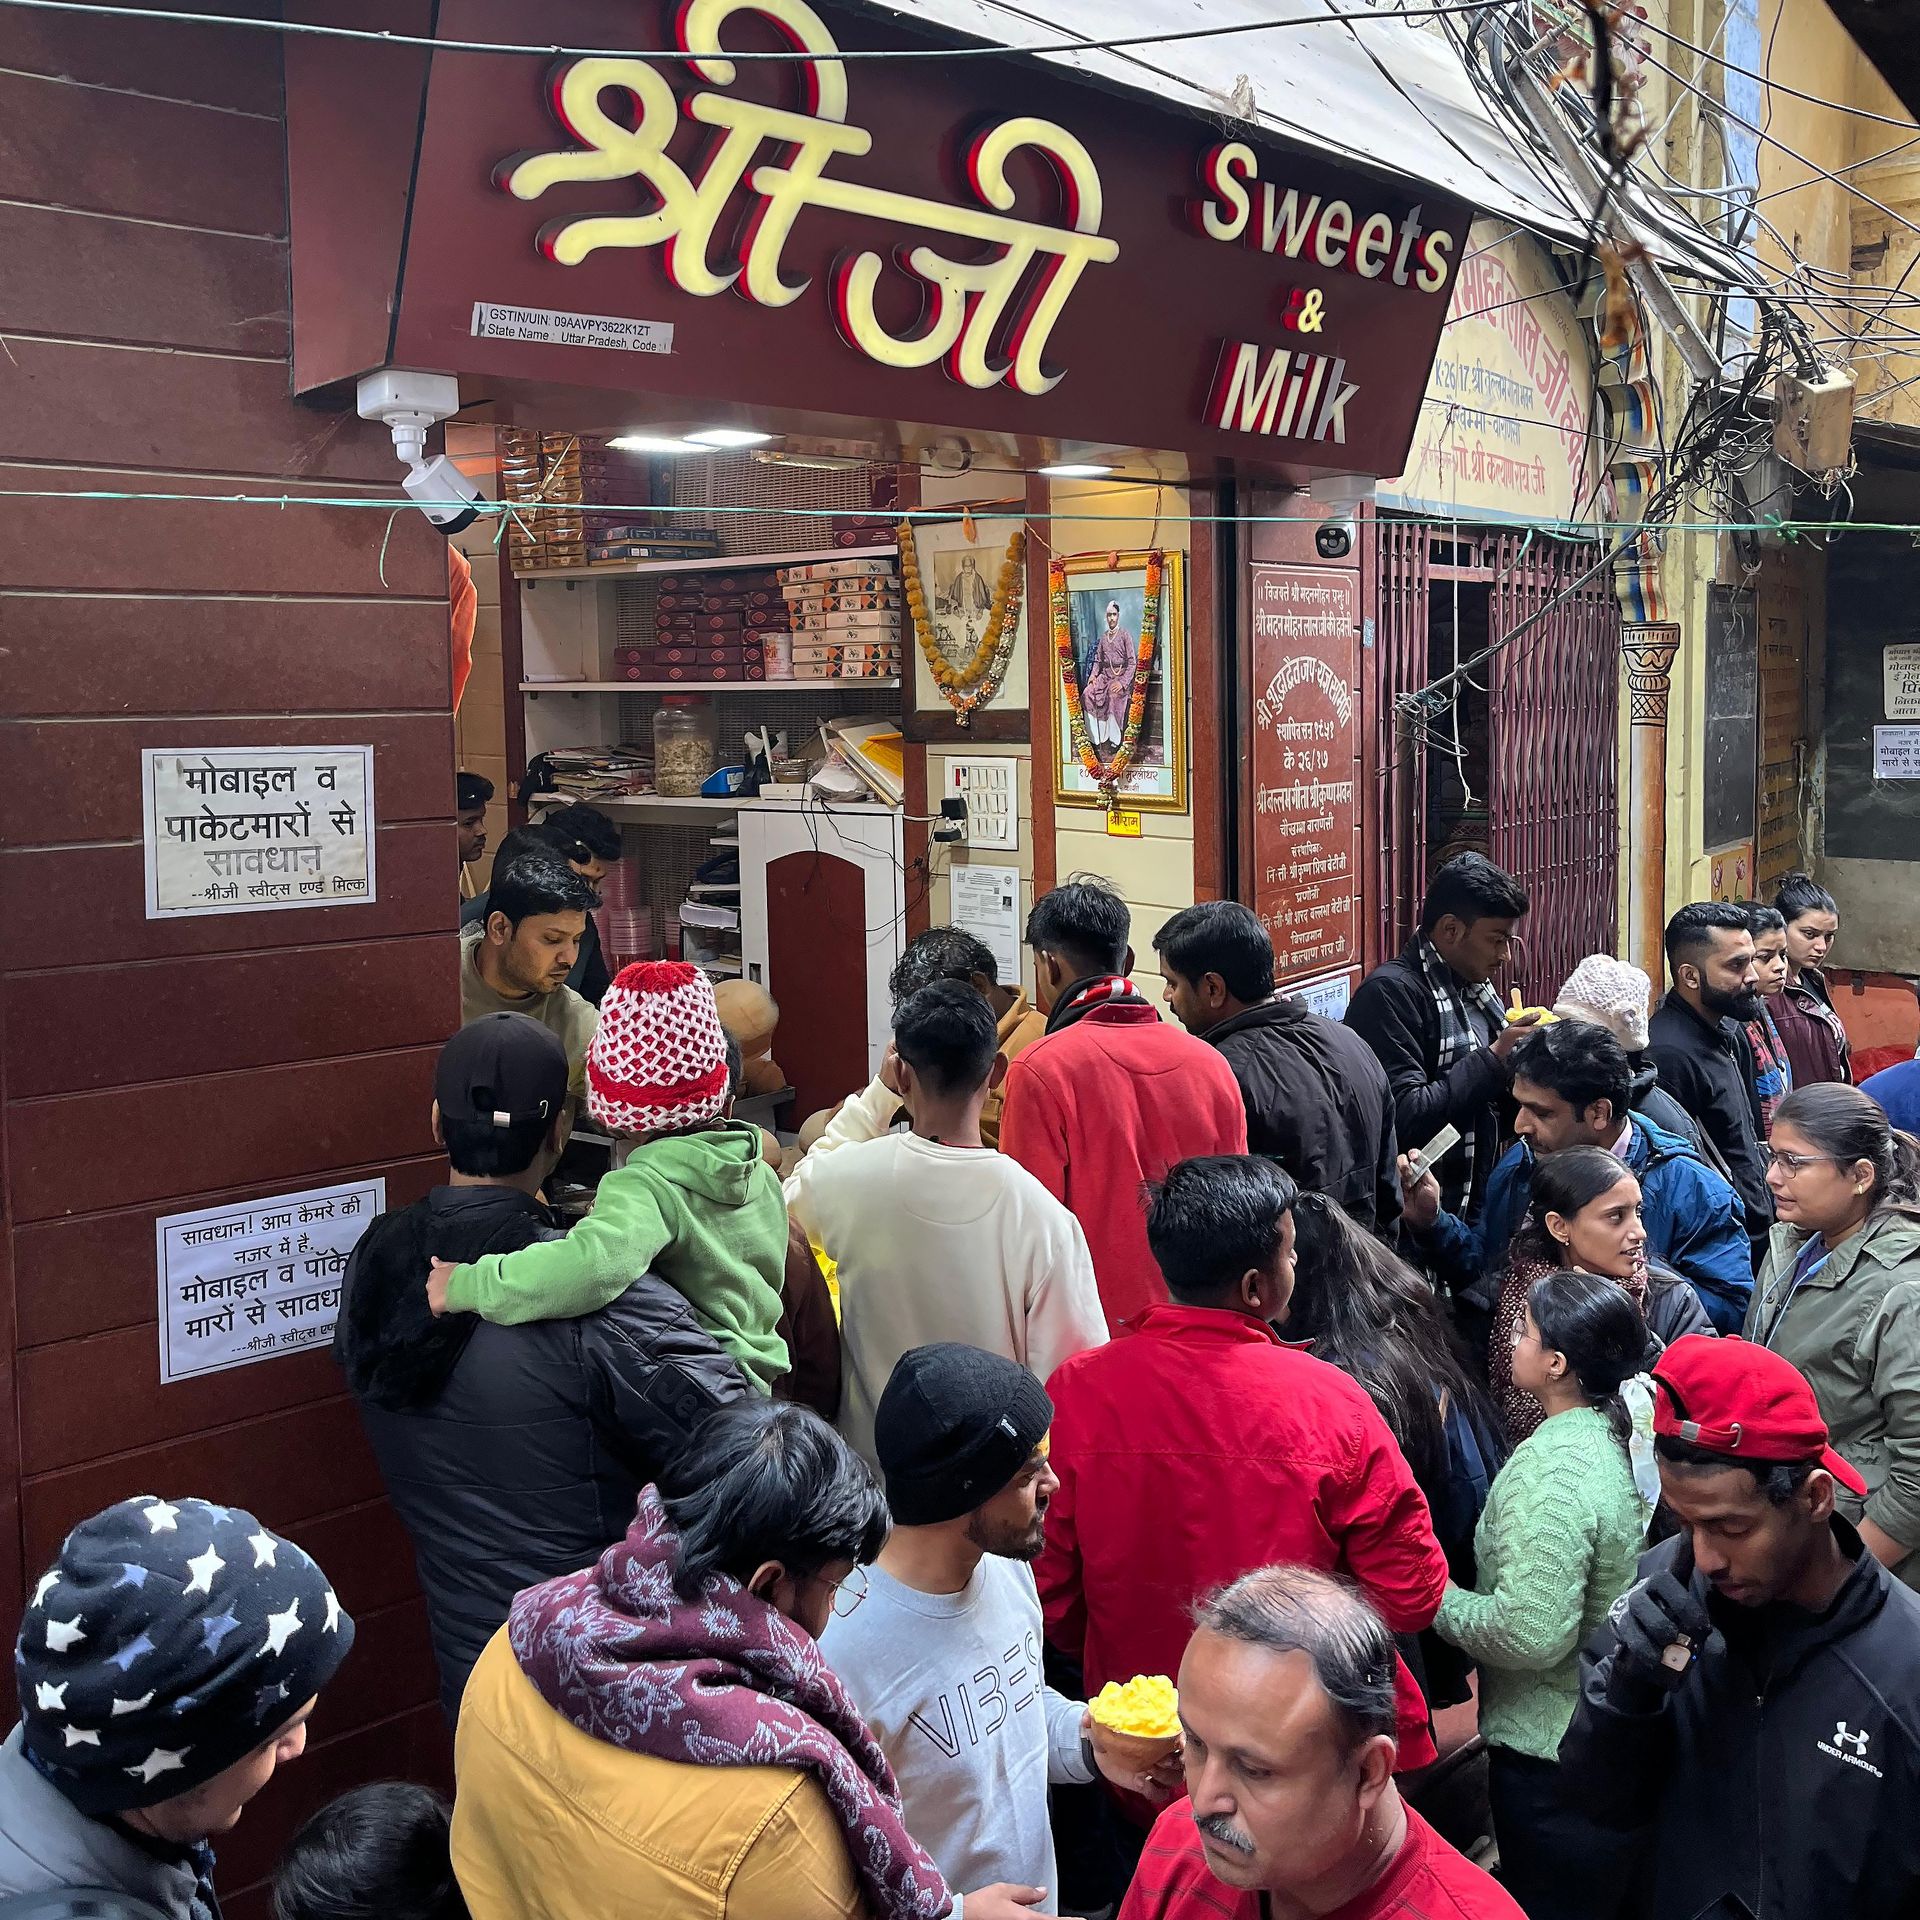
column 257, row 829
column 257, row 1278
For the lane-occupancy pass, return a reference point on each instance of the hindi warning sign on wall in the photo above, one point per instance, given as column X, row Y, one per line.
column 258, row 1278
column 1306, row 760
column 257, row 829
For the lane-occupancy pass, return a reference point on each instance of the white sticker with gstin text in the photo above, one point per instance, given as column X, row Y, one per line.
column 554, row 329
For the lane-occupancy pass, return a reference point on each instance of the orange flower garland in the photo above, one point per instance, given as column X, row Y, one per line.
column 1109, row 775
column 971, row 686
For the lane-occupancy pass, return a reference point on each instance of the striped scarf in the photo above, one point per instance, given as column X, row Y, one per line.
column 1458, row 1038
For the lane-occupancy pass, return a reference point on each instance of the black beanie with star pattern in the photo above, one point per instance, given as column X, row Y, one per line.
column 168, row 1641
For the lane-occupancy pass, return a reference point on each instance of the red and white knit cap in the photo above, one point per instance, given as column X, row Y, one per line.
column 659, row 1057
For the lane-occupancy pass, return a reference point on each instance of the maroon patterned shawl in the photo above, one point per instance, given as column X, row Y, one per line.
column 726, row 1681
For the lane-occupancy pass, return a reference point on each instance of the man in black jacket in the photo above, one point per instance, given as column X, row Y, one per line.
column 1435, row 1023
column 1755, row 1701
column 512, row 1454
column 1698, row 1042
column 1317, row 1100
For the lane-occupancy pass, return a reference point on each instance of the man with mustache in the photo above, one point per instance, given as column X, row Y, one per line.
column 1287, row 1704
column 1697, row 1038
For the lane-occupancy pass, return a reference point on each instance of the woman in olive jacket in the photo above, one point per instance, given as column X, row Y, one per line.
column 1839, row 1296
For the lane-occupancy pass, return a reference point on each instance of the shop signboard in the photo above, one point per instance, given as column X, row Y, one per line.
column 257, row 1278
column 1503, row 433
column 256, row 829
column 1306, row 765
column 972, row 244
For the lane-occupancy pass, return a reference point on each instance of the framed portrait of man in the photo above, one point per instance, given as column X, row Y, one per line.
column 1128, row 686
column 961, row 580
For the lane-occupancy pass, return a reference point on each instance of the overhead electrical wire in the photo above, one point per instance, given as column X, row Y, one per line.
column 1424, row 10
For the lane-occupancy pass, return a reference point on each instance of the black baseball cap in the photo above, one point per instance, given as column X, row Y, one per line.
column 503, row 1069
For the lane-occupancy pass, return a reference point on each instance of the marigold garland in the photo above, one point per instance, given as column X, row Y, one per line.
column 1109, row 775
column 973, row 685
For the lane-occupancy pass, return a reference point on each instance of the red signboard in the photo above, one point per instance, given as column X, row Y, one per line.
column 973, row 243
column 1306, row 766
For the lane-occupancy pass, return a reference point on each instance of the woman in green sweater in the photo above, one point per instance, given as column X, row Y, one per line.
column 1557, row 1545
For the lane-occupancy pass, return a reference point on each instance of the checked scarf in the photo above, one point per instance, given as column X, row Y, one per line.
column 1458, row 1038
column 722, row 1681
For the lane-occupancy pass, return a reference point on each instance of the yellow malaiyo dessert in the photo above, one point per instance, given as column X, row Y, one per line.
column 1136, row 1722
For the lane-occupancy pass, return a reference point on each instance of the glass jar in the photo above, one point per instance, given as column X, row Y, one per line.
column 686, row 745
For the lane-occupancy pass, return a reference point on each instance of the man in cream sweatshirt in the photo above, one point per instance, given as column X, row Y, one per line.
column 936, row 1236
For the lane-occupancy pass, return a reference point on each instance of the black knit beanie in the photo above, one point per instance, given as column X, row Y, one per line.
column 954, row 1425
column 168, row 1641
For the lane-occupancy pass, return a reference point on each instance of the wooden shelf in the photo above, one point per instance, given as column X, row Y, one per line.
column 699, row 686
column 633, row 569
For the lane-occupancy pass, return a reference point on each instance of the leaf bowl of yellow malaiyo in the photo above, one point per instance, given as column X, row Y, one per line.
column 1136, row 1723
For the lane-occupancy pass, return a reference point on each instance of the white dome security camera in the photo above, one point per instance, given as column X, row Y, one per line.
column 1333, row 539
column 410, row 403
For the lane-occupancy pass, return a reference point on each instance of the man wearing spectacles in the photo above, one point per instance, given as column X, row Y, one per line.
column 944, row 1658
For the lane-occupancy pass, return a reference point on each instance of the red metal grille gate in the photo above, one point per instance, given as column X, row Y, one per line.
column 1552, row 754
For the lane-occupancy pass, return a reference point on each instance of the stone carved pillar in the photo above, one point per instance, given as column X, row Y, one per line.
column 1650, row 648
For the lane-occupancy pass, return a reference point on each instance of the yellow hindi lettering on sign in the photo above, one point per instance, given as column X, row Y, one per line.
column 971, row 302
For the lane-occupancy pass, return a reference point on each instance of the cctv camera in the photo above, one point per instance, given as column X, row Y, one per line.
column 1333, row 539
column 442, row 492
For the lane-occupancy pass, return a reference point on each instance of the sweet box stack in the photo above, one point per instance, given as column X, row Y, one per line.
column 846, row 617
column 712, row 626
column 586, row 504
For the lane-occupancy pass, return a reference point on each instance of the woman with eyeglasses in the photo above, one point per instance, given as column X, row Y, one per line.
column 1556, row 1547
column 1584, row 1213
column 661, row 1731
column 1839, row 1296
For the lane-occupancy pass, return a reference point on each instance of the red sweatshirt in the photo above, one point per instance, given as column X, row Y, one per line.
column 1197, row 1446
column 1104, row 1105
column 1428, row 1880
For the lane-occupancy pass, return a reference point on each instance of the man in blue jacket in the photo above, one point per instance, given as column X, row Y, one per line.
column 1572, row 1083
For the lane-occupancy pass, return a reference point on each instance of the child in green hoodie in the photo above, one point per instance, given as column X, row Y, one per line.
column 695, row 1202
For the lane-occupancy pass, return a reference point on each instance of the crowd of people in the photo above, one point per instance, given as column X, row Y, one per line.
column 1553, row 1372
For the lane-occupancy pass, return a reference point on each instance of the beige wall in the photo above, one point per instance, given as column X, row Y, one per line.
column 1155, row 872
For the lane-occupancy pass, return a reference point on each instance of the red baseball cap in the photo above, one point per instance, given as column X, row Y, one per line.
column 1726, row 1395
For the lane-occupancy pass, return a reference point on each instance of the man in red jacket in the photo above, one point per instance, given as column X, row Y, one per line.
column 1286, row 1698
column 1198, row 1445
column 1112, row 1095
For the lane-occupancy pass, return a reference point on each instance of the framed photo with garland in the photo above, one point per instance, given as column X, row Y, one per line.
column 1119, row 662
column 966, row 641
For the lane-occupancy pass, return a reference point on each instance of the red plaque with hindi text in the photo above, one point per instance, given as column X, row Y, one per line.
column 1306, row 771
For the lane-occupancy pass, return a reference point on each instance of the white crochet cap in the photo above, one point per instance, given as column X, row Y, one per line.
column 658, row 1058
column 1609, row 993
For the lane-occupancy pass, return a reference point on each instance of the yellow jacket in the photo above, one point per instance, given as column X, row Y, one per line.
column 1020, row 1026
column 552, row 1824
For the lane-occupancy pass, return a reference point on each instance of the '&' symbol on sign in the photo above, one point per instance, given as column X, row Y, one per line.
column 1304, row 311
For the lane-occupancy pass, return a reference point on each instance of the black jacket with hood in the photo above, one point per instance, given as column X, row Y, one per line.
column 1318, row 1103
column 512, row 1454
column 1780, row 1779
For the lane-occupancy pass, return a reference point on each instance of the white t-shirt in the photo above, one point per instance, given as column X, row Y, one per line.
column 943, row 1243
column 950, row 1683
